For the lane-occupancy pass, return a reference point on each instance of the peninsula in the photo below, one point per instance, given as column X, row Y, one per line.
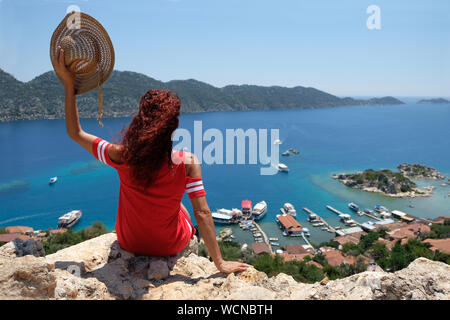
column 43, row 97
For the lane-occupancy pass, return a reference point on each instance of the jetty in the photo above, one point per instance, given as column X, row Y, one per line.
column 321, row 219
column 266, row 240
column 339, row 213
column 362, row 213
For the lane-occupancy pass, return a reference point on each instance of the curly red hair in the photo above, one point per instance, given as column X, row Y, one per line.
column 148, row 140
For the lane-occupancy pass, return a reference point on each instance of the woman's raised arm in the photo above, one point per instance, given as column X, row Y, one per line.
column 73, row 126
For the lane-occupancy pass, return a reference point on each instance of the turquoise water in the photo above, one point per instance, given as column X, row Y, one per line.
column 330, row 140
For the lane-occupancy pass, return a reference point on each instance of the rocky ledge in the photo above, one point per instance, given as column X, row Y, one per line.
column 100, row 269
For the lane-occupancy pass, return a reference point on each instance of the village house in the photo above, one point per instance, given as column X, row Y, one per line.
column 409, row 231
column 441, row 245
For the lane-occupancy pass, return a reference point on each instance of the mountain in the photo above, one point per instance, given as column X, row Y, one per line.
column 43, row 97
column 436, row 100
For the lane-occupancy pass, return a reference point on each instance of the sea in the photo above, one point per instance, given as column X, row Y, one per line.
column 330, row 140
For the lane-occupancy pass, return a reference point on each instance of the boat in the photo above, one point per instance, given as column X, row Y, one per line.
column 259, row 210
column 246, row 208
column 273, row 239
column 221, row 218
column 277, row 141
column 353, row 206
column 282, row 167
column 370, row 212
column 53, row 180
column 379, row 208
column 286, row 153
column 69, row 219
column 289, row 209
column 324, row 228
column 276, row 244
column 306, row 232
column 313, row 217
column 294, row 151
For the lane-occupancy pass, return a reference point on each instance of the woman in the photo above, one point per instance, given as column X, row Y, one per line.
column 151, row 219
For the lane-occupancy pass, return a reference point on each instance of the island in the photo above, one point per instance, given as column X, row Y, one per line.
column 419, row 171
column 433, row 101
column 391, row 183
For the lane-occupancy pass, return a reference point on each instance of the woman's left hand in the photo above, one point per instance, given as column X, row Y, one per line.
column 67, row 77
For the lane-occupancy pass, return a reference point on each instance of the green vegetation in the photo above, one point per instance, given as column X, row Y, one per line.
column 3, row 231
column 43, row 97
column 384, row 180
column 440, row 231
column 60, row 241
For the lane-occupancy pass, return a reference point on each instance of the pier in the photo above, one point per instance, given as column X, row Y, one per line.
column 321, row 219
column 339, row 213
column 266, row 240
column 369, row 215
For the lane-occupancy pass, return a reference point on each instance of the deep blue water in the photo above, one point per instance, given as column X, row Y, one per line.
column 330, row 140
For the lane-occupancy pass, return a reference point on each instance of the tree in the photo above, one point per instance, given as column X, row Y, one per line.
column 367, row 240
column 379, row 251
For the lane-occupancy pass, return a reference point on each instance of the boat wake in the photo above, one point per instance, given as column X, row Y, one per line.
column 25, row 217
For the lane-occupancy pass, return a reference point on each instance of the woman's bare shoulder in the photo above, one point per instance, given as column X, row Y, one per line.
column 115, row 152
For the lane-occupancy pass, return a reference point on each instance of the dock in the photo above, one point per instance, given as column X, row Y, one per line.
column 321, row 219
column 339, row 213
column 369, row 215
column 266, row 240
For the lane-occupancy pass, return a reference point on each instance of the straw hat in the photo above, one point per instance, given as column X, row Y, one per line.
column 88, row 52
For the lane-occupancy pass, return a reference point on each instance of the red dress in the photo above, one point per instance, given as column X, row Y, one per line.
column 151, row 221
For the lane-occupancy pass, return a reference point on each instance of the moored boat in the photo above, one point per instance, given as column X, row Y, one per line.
column 353, row 206
column 69, row 219
column 53, row 180
column 282, row 167
column 289, row 209
column 246, row 208
column 259, row 210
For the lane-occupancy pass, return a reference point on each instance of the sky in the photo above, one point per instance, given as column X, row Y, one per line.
column 324, row 44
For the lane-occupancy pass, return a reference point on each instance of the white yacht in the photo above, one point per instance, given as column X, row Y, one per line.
column 282, row 167
column 289, row 209
column 259, row 210
column 53, row 180
column 69, row 219
column 277, row 141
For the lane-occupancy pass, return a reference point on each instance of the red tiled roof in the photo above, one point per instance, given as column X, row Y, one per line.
column 62, row 230
column 410, row 231
column 336, row 258
column 295, row 248
column 318, row 265
column 443, row 245
column 7, row 237
column 18, row 229
column 260, row 247
column 349, row 238
column 294, row 257
column 289, row 222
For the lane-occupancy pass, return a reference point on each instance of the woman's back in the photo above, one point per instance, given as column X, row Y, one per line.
column 150, row 220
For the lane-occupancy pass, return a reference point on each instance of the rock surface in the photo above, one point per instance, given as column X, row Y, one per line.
column 100, row 269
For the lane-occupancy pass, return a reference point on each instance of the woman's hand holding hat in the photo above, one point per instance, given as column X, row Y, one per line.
column 65, row 75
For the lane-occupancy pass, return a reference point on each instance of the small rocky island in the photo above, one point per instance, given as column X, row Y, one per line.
column 390, row 183
column 419, row 171
column 433, row 101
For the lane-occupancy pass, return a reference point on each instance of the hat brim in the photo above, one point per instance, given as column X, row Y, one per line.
column 100, row 49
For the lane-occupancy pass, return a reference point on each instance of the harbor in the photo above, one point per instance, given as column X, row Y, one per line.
column 289, row 226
